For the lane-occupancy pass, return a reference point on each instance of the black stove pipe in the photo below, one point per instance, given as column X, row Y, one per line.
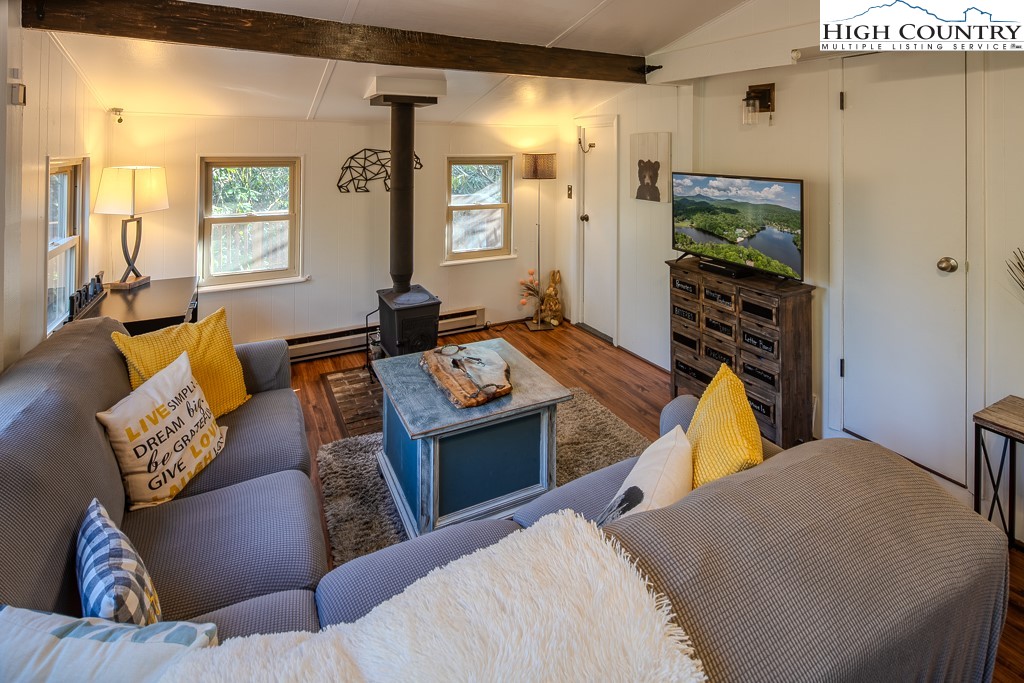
column 403, row 120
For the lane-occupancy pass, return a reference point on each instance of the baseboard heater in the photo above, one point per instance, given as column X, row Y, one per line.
column 348, row 339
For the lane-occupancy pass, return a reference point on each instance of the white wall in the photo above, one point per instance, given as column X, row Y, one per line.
column 345, row 240
column 645, row 228
column 62, row 119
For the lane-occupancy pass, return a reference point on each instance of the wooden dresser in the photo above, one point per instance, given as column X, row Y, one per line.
column 758, row 326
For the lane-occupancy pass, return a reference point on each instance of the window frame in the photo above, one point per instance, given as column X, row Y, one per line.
column 206, row 221
column 505, row 251
column 76, row 237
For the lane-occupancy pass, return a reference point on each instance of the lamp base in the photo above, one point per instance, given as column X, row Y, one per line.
column 538, row 327
column 130, row 283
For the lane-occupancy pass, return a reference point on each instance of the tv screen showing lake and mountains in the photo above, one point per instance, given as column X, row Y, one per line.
column 753, row 222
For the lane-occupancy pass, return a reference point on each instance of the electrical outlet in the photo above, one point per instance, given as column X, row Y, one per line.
column 568, row 193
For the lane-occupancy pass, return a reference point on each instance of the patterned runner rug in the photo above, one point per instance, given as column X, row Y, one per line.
column 361, row 516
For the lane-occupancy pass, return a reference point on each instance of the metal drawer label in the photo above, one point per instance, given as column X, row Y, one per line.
column 760, row 311
column 765, row 409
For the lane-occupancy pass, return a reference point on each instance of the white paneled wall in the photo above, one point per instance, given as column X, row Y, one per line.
column 345, row 236
column 62, row 119
column 645, row 228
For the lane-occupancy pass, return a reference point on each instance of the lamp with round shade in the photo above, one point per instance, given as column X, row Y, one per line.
column 131, row 191
column 539, row 167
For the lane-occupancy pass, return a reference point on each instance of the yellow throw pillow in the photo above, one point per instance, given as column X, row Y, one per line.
column 208, row 342
column 723, row 432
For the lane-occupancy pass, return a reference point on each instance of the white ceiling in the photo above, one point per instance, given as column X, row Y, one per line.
column 148, row 77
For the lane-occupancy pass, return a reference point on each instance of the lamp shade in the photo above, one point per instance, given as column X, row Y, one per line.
column 131, row 190
column 539, row 166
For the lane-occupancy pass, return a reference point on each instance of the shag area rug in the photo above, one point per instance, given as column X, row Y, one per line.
column 362, row 518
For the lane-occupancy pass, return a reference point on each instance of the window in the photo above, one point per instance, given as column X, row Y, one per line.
column 63, row 239
column 250, row 226
column 479, row 209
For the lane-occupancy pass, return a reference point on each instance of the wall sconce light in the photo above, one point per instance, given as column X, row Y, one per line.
column 759, row 98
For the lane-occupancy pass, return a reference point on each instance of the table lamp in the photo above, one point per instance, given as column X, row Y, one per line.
column 131, row 190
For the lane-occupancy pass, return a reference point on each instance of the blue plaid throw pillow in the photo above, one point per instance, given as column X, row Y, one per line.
column 112, row 579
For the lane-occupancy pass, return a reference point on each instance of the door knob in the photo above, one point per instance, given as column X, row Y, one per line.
column 585, row 218
column 947, row 264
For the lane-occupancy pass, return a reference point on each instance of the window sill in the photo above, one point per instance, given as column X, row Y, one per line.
column 485, row 259
column 255, row 283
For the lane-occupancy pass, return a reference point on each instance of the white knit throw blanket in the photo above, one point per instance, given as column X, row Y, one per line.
column 556, row 602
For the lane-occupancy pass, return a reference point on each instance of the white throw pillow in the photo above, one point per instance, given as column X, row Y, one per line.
column 163, row 434
column 40, row 646
column 660, row 477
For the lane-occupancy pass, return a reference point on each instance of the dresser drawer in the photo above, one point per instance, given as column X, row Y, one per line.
column 685, row 311
column 761, row 308
column 718, row 324
column 717, row 351
column 686, row 284
column 763, row 403
column 694, row 367
column 759, row 371
column 685, row 337
column 760, row 341
column 718, row 294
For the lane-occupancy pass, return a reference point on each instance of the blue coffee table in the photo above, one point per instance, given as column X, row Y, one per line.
column 444, row 464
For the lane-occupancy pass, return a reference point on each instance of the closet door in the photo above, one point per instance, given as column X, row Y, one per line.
column 905, row 256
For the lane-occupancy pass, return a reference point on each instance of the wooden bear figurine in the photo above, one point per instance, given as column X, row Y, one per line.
column 551, row 305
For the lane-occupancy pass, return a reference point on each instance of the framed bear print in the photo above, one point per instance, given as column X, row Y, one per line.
column 651, row 157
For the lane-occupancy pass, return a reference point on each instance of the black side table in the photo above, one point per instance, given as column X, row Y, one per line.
column 1004, row 418
column 159, row 304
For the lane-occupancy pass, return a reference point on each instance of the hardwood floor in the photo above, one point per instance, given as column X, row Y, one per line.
column 633, row 389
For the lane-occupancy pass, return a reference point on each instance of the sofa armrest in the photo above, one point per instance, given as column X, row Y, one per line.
column 265, row 365
column 679, row 411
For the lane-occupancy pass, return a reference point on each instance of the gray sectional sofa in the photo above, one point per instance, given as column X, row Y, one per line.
column 242, row 545
column 835, row 560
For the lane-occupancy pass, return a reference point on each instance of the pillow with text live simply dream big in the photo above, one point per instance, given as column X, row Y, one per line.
column 163, row 434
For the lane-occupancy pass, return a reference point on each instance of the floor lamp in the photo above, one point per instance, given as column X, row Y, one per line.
column 131, row 190
column 538, row 167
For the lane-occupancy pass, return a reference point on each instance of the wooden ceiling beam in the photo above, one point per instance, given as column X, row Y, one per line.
column 190, row 23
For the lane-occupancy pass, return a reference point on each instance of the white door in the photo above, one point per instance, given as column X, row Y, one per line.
column 904, row 199
column 599, row 226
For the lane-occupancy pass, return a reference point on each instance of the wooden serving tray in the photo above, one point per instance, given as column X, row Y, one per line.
column 469, row 377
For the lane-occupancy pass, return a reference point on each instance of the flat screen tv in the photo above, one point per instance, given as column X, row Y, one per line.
column 740, row 222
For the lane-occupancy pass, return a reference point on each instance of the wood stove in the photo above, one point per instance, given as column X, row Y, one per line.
column 408, row 313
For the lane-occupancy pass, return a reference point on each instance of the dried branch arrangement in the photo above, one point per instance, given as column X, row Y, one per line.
column 1016, row 267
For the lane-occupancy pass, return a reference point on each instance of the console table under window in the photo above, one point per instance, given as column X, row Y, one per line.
column 161, row 303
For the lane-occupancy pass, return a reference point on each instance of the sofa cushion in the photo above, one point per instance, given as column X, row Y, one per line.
column 208, row 342
column 163, row 434
column 274, row 613
column 222, row 547
column 356, row 587
column 588, row 495
column 265, row 435
column 112, row 578
column 54, row 459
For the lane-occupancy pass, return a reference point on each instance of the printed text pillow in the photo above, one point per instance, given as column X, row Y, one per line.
column 163, row 434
